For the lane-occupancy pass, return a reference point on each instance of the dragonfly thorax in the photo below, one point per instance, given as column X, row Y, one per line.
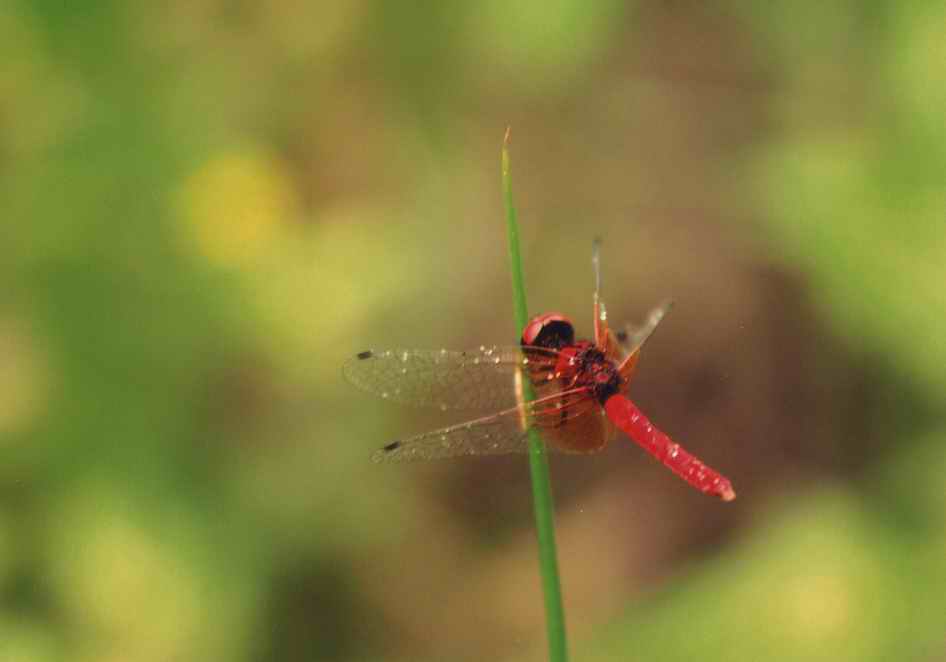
column 584, row 365
column 600, row 374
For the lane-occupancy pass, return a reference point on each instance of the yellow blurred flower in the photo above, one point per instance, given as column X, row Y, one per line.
column 237, row 205
column 136, row 583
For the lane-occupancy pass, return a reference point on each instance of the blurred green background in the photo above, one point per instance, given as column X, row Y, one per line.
column 208, row 205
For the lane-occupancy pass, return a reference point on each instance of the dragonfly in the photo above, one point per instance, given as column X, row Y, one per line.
column 580, row 393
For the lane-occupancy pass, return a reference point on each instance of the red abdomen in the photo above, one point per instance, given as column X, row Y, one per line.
column 625, row 414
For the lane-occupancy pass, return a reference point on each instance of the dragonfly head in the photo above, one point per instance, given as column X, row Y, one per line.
column 551, row 330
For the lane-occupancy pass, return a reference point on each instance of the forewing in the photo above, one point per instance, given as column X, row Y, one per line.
column 633, row 338
column 482, row 378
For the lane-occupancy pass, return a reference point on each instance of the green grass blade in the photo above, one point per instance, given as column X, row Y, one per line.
column 538, row 460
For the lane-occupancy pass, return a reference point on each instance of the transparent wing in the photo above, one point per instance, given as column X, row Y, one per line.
column 482, row 378
column 497, row 434
column 581, row 427
column 633, row 338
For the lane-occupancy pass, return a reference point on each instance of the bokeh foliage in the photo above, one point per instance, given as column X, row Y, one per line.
column 209, row 205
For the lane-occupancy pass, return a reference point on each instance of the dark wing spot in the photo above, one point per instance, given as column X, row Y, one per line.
column 393, row 446
column 622, row 336
column 365, row 355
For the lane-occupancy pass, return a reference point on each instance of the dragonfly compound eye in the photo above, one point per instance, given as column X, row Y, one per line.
column 552, row 330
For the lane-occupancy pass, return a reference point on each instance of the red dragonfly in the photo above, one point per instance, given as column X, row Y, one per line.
column 580, row 389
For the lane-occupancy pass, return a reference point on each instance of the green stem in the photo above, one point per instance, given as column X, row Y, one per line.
column 538, row 460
